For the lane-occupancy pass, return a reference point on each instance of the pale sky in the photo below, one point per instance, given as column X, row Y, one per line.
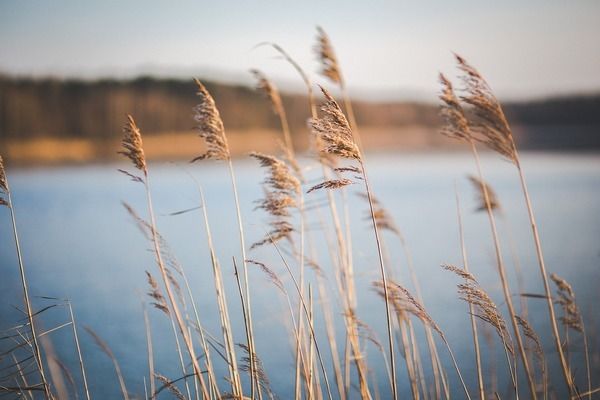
column 526, row 49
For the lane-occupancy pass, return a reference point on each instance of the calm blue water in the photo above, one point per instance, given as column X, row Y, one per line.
column 79, row 243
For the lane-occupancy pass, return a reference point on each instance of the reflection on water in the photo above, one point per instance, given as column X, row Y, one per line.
column 79, row 243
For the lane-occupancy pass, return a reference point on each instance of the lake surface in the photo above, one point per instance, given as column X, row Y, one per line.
column 79, row 243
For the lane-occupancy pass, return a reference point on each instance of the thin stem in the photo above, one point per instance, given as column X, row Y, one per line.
column 253, row 376
column 384, row 280
column 80, row 358
column 587, row 359
column 503, row 279
column 163, row 271
column 222, row 304
column 456, row 367
column 245, row 314
column 471, row 307
column 150, row 352
column 181, row 362
column 36, row 348
column 209, row 366
column 306, row 313
column 436, row 366
column 542, row 265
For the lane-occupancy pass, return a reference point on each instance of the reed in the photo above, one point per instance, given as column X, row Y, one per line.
column 79, row 356
column 133, row 149
column 404, row 302
column 338, row 139
column 497, row 135
column 458, row 127
column 107, row 350
column 473, row 117
column 343, row 258
column 5, row 191
column 226, row 329
column 463, row 248
column 572, row 319
column 211, row 130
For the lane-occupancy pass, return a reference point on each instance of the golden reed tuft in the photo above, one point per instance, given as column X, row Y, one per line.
column 210, row 127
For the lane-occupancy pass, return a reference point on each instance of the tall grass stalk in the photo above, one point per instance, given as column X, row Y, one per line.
column 307, row 316
column 79, row 357
column 4, row 188
column 133, row 149
column 234, row 375
column 463, row 248
column 458, row 127
column 107, row 350
column 150, row 350
column 211, row 129
column 499, row 137
column 346, row 283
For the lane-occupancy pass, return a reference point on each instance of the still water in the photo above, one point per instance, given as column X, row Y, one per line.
column 79, row 243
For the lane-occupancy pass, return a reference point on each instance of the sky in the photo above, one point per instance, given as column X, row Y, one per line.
column 387, row 49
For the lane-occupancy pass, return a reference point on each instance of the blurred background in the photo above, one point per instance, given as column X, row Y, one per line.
column 70, row 72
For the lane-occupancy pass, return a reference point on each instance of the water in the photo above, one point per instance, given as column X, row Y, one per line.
column 79, row 243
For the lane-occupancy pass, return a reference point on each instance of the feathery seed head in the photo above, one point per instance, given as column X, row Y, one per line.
column 269, row 90
column 566, row 298
column 482, row 188
column 331, row 184
column 210, row 126
column 456, row 125
column 159, row 301
column 490, row 120
column 132, row 145
column 326, row 55
column 485, row 308
column 382, row 217
column 273, row 277
column 404, row 302
column 533, row 336
column 460, row 272
column 3, row 183
column 280, row 176
column 333, row 129
column 277, row 204
column 280, row 229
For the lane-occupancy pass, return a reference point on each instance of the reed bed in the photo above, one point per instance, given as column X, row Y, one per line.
column 304, row 207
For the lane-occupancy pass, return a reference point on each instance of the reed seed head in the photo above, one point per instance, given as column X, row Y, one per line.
column 532, row 336
column 404, row 302
column 326, row 56
column 333, row 129
column 273, row 277
column 280, row 177
column 566, row 298
column 461, row 272
column 490, row 121
column 267, row 87
column 382, row 217
column 132, row 145
column 485, row 308
column 169, row 385
column 277, row 204
column 258, row 369
column 456, row 124
column 331, row 184
column 280, row 229
column 481, row 189
column 3, row 183
column 210, row 126
column 159, row 300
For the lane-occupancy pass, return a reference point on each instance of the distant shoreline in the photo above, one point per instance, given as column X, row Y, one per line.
column 185, row 145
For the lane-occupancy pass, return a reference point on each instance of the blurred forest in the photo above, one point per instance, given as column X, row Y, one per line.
column 36, row 109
